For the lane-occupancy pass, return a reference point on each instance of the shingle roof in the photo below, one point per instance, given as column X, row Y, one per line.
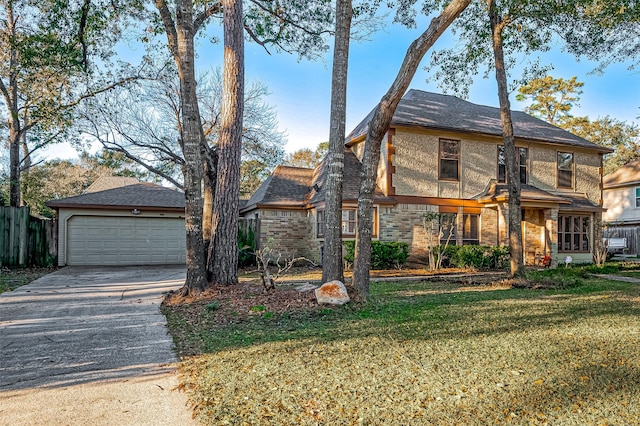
column 350, row 181
column 110, row 182
column 141, row 195
column 432, row 110
column 287, row 186
column 296, row 187
column 499, row 192
column 626, row 175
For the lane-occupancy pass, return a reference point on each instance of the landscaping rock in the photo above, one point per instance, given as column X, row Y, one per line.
column 332, row 293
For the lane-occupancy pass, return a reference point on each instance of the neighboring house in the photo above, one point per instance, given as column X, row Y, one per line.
column 444, row 154
column 131, row 223
column 621, row 193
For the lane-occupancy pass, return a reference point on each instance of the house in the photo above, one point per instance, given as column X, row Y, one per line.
column 443, row 154
column 121, row 221
column 621, row 193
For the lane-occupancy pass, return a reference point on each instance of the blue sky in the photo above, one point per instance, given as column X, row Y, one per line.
column 300, row 90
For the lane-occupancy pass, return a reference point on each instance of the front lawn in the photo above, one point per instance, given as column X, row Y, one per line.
column 421, row 352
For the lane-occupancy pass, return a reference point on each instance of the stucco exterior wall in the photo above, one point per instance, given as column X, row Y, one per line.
column 621, row 205
column 479, row 164
column 587, row 171
column 416, row 163
column 64, row 214
column 542, row 167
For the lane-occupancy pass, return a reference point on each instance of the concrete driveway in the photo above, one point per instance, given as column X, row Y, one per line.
column 87, row 346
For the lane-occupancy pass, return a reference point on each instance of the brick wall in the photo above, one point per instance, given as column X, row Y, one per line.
column 286, row 231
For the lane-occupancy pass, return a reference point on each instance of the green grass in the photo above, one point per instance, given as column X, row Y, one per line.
column 424, row 353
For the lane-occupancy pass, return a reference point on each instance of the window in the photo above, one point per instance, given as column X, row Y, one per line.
column 573, row 233
column 348, row 221
column 565, row 170
column 448, row 227
column 638, row 197
column 470, row 228
column 320, row 223
column 449, row 159
column 523, row 157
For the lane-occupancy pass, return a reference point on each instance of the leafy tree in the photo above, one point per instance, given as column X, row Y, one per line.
column 552, row 98
column 307, row 158
column 378, row 126
column 48, row 62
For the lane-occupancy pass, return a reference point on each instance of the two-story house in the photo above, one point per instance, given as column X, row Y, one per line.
column 621, row 194
column 445, row 154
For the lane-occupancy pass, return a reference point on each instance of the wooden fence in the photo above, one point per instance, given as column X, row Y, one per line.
column 26, row 240
column 630, row 233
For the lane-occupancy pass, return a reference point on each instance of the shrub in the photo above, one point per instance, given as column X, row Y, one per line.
column 246, row 246
column 383, row 255
column 475, row 256
column 557, row 278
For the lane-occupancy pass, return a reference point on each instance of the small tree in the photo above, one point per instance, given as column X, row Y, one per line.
column 436, row 229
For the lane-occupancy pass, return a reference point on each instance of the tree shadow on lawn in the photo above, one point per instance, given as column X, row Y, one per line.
column 422, row 316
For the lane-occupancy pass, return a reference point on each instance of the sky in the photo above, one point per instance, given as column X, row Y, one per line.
column 301, row 90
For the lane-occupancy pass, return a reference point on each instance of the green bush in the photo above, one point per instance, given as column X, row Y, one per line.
column 475, row 256
column 383, row 255
column 246, row 246
column 558, row 277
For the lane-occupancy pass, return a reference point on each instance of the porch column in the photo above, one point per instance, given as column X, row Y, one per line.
column 503, row 225
column 551, row 235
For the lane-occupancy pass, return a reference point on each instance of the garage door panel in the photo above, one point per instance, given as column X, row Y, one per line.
column 106, row 240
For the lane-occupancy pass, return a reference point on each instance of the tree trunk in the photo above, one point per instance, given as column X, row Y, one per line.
column 332, row 261
column 511, row 154
column 224, row 228
column 180, row 40
column 10, row 95
column 210, row 167
column 378, row 127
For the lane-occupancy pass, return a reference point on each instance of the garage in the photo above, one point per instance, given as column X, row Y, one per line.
column 100, row 240
column 133, row 223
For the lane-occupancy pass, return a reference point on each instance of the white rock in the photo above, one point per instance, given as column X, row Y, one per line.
column 332, row 293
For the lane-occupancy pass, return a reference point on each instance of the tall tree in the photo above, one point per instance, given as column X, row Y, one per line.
column 498, row 23
column 378, row 127
column 332, row 268
column 48, row 61
column 223, row 249
column 181, row 28
column 551, row 98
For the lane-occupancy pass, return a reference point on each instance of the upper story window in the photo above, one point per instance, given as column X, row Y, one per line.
column 523, row 161
column 565, row 170
column 449, row 160
column 638, row 197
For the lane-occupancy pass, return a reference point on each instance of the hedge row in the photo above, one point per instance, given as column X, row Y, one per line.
column 474, row 256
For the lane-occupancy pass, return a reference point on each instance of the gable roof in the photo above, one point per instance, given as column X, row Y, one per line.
column 295, row 187
column 628, row 174
column 350, row 181
column 285, row 187
column 110, row 182
column 445, row 112
column 140, row 195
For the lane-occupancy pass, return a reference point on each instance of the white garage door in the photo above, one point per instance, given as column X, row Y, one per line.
column 104, row 240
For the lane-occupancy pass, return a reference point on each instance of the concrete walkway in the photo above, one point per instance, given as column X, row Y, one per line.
column 89, row 346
